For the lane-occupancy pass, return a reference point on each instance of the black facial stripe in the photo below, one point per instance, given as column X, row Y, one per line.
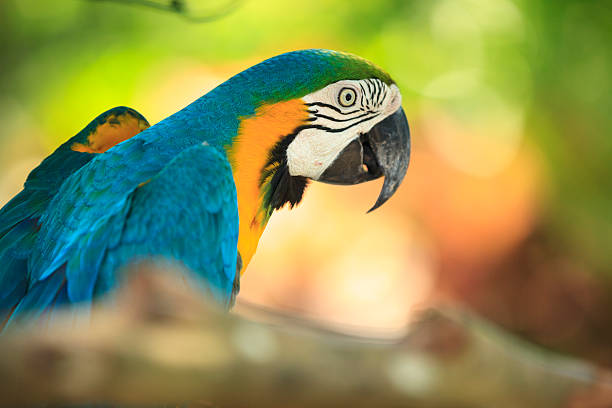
column 370, row 87
column 319, row 115
column 373, row 94
column 331, row 130
column 325, row 105
column 378, row 92
column 363, row 95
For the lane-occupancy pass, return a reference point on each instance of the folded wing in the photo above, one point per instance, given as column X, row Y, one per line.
column 187, row 213
column 20, row 217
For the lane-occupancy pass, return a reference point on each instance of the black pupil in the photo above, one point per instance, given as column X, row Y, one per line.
column 348, row 96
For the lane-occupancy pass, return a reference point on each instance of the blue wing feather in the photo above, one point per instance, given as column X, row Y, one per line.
column 39, row 297
column 187, row 213
column 20, row 217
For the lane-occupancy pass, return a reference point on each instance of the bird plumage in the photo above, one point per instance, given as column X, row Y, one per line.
column 196, row 188
column 20, row 217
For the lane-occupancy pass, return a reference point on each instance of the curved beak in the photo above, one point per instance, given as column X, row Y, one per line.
column 383, row 151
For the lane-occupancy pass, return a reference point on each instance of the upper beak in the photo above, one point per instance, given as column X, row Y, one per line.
column 383, row 151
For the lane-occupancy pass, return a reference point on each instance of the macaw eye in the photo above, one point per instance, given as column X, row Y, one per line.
column 347, row 97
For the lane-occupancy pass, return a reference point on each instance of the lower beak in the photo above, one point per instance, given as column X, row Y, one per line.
column 383, row 151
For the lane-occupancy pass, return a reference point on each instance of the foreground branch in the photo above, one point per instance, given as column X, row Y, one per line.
column 159, row 342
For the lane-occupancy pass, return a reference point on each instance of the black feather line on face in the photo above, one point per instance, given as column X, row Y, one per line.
column 283, row 188
column 378, row 92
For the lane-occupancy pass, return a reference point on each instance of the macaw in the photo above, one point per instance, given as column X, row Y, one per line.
column 199, row 187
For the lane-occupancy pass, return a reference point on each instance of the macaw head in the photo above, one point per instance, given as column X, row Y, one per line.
column 310, row 115
column 357, row 131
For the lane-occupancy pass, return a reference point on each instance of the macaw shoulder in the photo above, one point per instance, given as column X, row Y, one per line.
column 44, row 181
column 106, row 130
column 110, row 128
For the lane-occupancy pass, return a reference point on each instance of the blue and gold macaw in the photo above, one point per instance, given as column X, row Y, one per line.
column 198, row 187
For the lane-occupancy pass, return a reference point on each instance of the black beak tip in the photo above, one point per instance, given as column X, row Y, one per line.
column 390, row 185
column 378, row 203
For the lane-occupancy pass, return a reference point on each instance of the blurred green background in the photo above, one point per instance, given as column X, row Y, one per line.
column 507, row 206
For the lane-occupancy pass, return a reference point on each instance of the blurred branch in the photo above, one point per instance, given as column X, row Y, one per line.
column 184, row 8
column 159, row 342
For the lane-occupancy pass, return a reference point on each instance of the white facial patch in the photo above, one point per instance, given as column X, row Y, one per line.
column 339, row 113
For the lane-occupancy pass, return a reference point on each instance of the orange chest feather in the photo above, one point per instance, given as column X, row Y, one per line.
column 249, row 154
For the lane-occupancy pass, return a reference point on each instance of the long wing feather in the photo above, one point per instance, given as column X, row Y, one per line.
column 187, row 213
column 19, row 218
